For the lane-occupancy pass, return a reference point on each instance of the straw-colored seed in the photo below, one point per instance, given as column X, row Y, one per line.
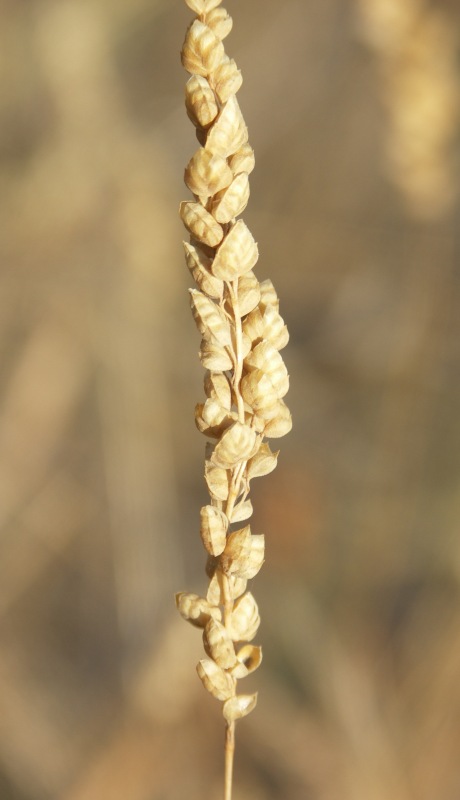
column 266, row 358
column 215, row 680
column 200, row 266
column 218, row 644
column 207, row 173
column 281, row 424
column 200, row 101
column 248, row 293
column 216, row 386
column 231, row 201
column 262, row 463
column 243, row 510
column 226, row 79
column 209, row 318
column 220, row 22
column 245, row 619
column 243, row 160
column 196, row 609
column 201, row 223
column 237, row 444
column 202, row 50
column 237, row 254
column 268, row 296
column 243, row 554
column 229, row 131
column 213, row 529
column 214, row 357
column 258, row 391
column 239, row 706
column 217, row 480
column 202, row 6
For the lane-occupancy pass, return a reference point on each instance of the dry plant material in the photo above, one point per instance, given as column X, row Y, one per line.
column 246, row 379
column 416, row 44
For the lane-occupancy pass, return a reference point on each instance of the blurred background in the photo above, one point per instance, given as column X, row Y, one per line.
column 352, row 109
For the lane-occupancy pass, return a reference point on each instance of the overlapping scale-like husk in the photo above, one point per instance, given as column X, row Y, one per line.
column 246, row 379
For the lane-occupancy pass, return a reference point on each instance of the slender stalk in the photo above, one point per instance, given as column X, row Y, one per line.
column 229, row 755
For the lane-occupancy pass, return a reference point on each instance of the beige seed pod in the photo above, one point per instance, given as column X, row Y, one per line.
column 202, row 6
column 243, row 510
column 199, row 265
column 196, row 609
column 268, row 296
column 202, row 50
column 243, row 554
column 217, row 386
column 245, row 619
column 231, row 201
column 213, row 529
column 229, row 131
column 214, row 357
column 212, row 420
column 259, row 392
column 266, row 324
column 226, row 79
column 220, row 22
column 266, row 358
column 262, row 463
column 210, row 319
column 215, row 680
column 217, row 480
column 238, row 443
column 200, row 223
column 207, row 173
column 200, row 101
column 248, row 293
column 249, row 656
column 237, row 254
column 215, row 594
column 239, row 707
column 281, row 424
column 243, row 160
column 218, row 644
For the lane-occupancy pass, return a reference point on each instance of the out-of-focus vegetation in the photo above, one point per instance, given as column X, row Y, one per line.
column 100, row 463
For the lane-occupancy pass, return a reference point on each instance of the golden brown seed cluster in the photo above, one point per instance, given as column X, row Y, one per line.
column 246, row 379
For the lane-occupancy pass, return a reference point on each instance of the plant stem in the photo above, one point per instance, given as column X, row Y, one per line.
column 229, row 753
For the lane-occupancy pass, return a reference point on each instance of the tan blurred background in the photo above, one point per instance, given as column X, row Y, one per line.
column 352, row 108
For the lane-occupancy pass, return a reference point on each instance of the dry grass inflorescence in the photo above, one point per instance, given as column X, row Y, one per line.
column 246, row 378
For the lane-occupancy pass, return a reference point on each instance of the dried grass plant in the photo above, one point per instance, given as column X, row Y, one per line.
column 416, row 45
column 246, row 378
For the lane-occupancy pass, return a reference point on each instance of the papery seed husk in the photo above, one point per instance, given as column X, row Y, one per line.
column 209, row 318
column 200, row 101
column 281, row 424
column 207, row 173
column 199, row 265
column 245, row 619
column 243, row 510
column 214, row 595
column 251, row 656
column 214, row 357
column 266, row 358
column 227, row 80
column 200, row 223
column 216, row 385
column 268, row 296
column 243, row 554
column 213, row 529
column 262, row 463
column 237, row 586
column 218, row 644
column 274, row 328
column 258, row 391
column 231, row 201
column 248, row 293
column 202, row 50
column 211, row 419
column 237, row 254
column 229, row 131
column 217, row 682
column 220, row 22
column 195, row 609
column 236, row 445
column 243, row 160
column 239, row 707
column 217, row 480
